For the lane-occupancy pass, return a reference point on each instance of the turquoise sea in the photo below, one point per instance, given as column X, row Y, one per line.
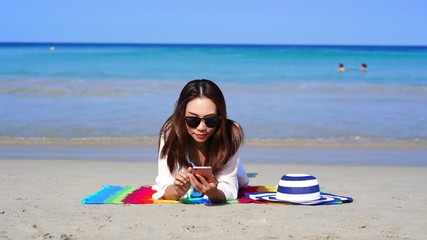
column 291, row 93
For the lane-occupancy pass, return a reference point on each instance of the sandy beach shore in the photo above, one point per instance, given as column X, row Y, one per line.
column 40, row 199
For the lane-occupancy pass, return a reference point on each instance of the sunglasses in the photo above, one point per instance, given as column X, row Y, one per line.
column 194, row 122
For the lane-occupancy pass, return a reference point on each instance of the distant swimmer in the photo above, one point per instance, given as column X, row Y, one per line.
column 341, row 68
column 52, row 48
column 363, row 67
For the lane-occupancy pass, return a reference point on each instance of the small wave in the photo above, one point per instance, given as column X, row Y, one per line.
column 140, row 87
column 355, row 142
column 327, row 88
column 95, row 88
column 63, row 91
column 35, row 91
column 85, row 141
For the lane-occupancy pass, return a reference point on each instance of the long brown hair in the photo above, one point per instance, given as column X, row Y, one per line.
column 222, row 145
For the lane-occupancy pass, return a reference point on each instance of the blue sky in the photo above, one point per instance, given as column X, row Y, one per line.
column 362, row 22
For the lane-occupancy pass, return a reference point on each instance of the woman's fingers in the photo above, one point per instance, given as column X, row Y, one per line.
column 181, row 179
column 201, row 184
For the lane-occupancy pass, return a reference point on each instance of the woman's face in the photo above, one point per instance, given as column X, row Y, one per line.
column 201, row 108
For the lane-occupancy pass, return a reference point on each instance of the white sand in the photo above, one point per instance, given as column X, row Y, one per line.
column 41, row 200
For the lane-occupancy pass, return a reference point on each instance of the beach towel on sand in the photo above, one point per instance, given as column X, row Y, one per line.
column 110, row 194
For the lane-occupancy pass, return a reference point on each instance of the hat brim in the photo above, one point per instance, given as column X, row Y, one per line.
column 343, row 199
column 271, row 197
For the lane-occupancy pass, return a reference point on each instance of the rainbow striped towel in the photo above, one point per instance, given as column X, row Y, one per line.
column 142, row 195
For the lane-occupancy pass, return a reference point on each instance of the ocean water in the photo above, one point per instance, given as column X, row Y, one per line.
column 283, row 93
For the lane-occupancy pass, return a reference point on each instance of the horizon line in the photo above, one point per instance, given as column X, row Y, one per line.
column 202, row 44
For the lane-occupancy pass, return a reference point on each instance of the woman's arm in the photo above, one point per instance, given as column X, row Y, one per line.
column 164, row 177
column 171, row 186
column 227, row 177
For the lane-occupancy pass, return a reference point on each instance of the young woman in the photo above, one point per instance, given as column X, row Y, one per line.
column 198, row 133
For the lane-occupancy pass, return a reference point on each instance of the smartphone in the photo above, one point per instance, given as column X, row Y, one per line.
column 204, row 171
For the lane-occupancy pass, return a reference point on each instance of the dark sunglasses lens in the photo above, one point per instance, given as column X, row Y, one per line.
column 192, row 122
column 211, row 122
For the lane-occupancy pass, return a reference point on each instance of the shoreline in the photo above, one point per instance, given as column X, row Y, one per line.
column 258, row 152
column 355, row 142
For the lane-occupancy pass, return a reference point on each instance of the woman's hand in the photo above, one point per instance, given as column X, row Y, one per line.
column 182, row 183
column 180, row 186
column 209, row 189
